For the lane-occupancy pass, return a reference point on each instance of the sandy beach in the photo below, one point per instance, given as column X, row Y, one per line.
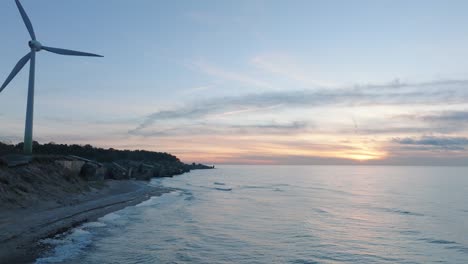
column 21, row 229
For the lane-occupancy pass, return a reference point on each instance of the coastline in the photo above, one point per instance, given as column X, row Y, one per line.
column 21, row 229
column 63, row 186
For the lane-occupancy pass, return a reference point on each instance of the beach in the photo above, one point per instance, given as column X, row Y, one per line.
column 21, row 229
column 45, row 195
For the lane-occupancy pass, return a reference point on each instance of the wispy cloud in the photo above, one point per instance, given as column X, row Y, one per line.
column 297, row 125
column 284, row 65
column 436, row 121
column 445, row 93
column 197, row 89
column 389, row 130
column 446, row 116
column 223, row 74
column 270, row 128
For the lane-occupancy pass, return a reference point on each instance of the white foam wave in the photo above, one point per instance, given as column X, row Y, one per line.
column 109, row 217
column 69, row 245
column 163, row 199
column 94, row 224
column 151, row 201
column 66, row 246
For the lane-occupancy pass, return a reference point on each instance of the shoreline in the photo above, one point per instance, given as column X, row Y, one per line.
column 22, row 229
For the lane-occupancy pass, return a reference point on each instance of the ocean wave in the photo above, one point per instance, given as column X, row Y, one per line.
column 110, row 217
column 189, row 198
column 400, row 211
column 336, row 191
column 438, row 241
column 273, row 187
column 318, row 210
column 66, row 245
column 151, row 201
column 453, row 245
column 303, row 261
column 70, row 244
column 94, row 225
column 223, row 189
column 254, row 187
column 459, row 248
column 165, row 198
column 410, row 232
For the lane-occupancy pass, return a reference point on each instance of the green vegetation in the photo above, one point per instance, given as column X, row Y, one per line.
column 90, row 152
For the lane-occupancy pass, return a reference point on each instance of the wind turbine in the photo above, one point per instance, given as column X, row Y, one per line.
column 35, row 46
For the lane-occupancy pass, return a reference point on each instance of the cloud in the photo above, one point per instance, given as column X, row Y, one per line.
column 393, row 93
column 229, row 75
column 197, row 90
column 297, row 125
column 286, row 66
column 437, row 121
column 446, row 143
column 271, row 128
column 391, row 130
column 447, row 116
column 437, row 116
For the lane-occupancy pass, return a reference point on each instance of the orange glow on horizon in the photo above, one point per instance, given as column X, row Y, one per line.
column 273, row 154
column 259, row 149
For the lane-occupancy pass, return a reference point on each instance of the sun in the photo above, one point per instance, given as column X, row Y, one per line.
column 365, row 155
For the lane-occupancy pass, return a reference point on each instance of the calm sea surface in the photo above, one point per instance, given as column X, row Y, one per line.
column 286, row 214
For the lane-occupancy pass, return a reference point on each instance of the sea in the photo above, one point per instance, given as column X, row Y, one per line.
column 284, row 214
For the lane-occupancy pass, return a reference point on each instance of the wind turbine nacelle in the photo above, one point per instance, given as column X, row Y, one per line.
column 35, row 45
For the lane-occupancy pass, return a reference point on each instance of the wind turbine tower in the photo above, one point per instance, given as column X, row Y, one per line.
column 35, row 47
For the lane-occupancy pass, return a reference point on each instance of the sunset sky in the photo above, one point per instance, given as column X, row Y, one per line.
column 257, row 82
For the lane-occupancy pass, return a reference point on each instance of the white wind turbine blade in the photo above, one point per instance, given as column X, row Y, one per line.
column 69, row 52
column 26, row 20
column 15, row 70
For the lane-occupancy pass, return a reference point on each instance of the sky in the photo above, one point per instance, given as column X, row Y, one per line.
column 247, row 82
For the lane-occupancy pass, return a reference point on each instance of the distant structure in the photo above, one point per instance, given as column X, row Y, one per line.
column 35, row 46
